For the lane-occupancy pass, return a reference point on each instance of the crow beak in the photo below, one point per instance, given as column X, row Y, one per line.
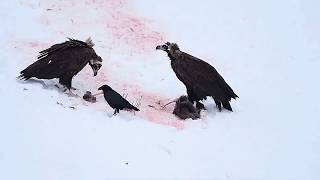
column 100, row 88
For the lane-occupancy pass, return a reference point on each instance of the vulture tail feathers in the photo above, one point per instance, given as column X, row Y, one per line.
column 235, row 96
column 226, row 105
column 218, row 103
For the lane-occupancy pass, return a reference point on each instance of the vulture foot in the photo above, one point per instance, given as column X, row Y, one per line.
column 200, row 106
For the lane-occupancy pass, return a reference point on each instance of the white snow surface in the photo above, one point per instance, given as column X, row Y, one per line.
column 268, row 51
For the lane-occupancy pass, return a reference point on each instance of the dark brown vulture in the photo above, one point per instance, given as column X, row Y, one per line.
column 199, row 77
column 63, row 61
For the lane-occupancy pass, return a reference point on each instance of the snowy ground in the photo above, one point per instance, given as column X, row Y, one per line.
column 268, row 51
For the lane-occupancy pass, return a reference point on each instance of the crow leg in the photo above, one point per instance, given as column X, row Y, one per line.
column 116, row 111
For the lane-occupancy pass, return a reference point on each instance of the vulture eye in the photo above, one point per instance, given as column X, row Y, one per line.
column 97, row 66
column 165, row 47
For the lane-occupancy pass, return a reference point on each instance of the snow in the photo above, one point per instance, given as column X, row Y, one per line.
column 268, row 51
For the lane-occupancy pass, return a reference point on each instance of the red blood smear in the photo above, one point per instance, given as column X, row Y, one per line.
column 151, row 107
column 37, row 44
column 126, row 29
column 134, row 32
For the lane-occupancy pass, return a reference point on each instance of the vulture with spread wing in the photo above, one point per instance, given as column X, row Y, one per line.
column 199, row 77
column 63, row 61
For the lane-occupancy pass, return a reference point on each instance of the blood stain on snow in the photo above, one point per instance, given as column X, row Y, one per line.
column 136, row 32
column 151, row 104
column 112, row 16
column 29, row 46
column 126, row 30
column 34, row 44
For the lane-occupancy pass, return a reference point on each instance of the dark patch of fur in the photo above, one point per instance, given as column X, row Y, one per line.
column 88, row 97
column 184, row 109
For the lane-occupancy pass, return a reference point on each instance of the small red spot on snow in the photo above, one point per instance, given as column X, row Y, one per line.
column 34, row 44
column 27, row 45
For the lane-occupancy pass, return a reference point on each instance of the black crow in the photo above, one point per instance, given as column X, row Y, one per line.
column 199, row 77
column 115, row 100
column 63, row 61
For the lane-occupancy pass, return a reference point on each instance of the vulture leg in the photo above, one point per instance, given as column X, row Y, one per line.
column 218, row 104
column 66, row 81
column 199, row 105
column 190, row 95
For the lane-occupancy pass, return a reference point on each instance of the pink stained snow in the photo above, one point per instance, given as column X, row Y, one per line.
column 134, row 32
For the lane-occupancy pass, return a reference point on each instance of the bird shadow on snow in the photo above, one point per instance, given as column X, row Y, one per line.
column 45, row 84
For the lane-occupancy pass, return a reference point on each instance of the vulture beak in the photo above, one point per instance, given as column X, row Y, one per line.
column 95, row 65
column 162, row 47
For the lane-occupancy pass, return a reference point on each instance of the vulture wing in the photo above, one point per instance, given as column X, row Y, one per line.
column 70, row 56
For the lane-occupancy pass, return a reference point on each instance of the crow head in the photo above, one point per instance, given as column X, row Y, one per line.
column 95, row 64
column 105, row 88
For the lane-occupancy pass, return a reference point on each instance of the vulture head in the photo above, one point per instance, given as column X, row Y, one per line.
column 95, row 61
column 168, row 47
